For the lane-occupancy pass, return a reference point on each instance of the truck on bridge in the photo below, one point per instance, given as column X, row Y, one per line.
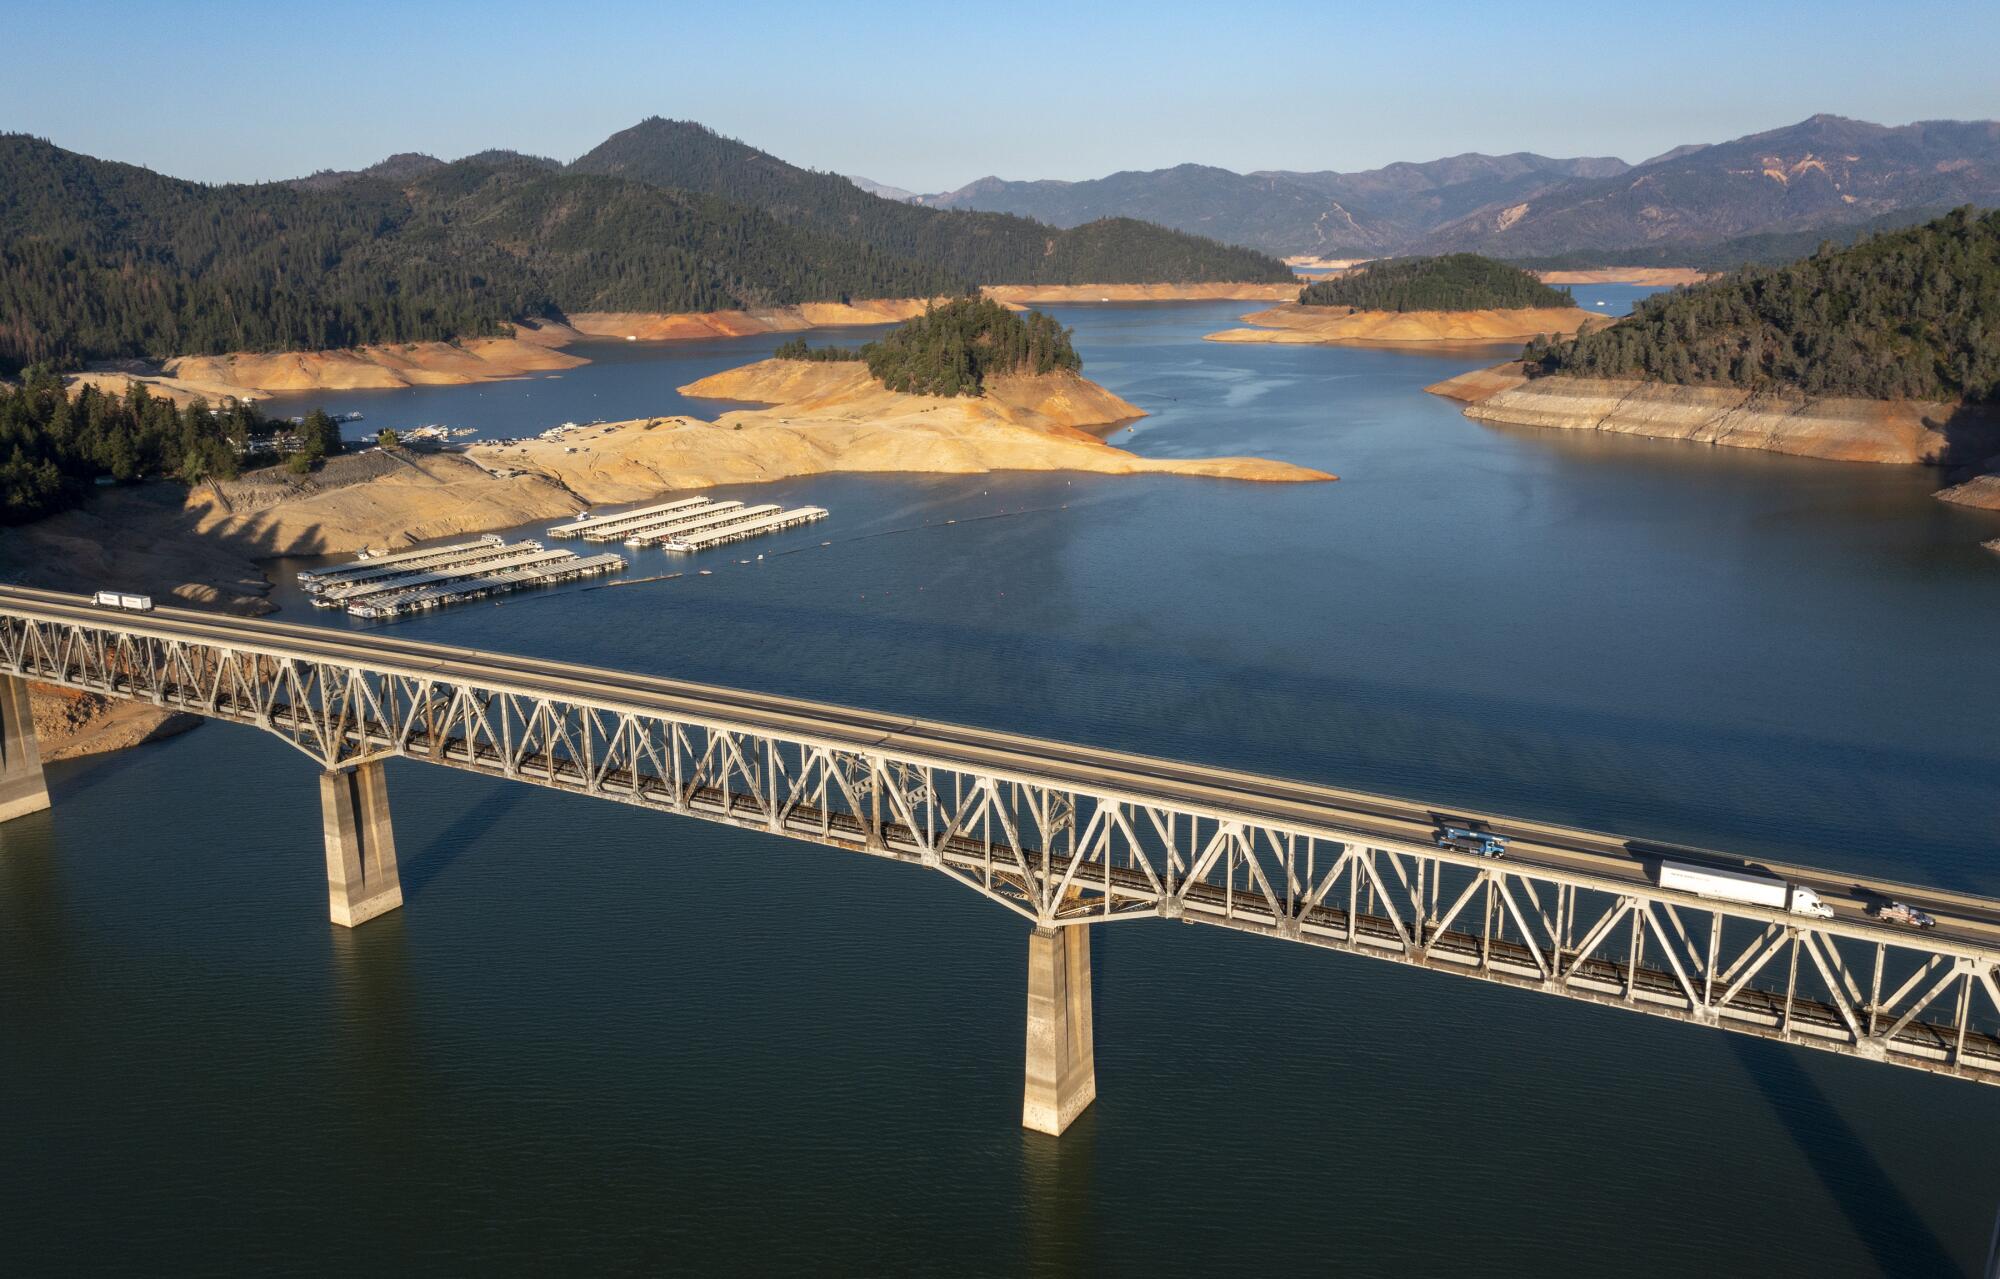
column 1746, row 886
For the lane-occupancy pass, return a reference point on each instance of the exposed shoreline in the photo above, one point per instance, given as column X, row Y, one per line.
column 537, row 347
column 1656, row 275
column 1293, row 324
column 1894, row 432
column 834, row 417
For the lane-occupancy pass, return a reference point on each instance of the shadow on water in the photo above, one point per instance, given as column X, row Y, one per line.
column 1892, row 1229
column 418, row 871
column 1059, row 1198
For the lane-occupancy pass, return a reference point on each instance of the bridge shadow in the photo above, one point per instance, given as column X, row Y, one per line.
column 1059, row 1199
column 1897, row 1238
column 453, row 842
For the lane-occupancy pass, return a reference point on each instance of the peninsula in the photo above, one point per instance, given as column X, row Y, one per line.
column 1876, row 353
column 966, row 388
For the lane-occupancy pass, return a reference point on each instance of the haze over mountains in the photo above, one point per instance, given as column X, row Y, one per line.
column 1822, row 173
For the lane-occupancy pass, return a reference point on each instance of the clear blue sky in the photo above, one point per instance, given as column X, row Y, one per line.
column 931, row 95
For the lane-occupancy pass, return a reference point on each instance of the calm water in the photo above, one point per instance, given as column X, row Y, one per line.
column 599, row 1039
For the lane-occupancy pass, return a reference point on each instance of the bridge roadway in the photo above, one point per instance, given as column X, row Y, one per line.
column 1973, row 920
column 1967, row 939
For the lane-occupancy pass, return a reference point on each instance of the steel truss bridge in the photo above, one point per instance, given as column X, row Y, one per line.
column 1067, row 836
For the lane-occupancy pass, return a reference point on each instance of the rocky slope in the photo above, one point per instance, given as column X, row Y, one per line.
column 1293, row 323
column 834, row 417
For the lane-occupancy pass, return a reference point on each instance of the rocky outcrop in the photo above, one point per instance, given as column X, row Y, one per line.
column 1982, row 492
column 1846, row 430
column 1334, row 325
column 834, row 417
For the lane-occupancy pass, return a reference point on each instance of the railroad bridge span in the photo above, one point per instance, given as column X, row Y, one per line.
column 1064, row 836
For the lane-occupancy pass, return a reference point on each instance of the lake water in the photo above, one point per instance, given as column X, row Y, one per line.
column 601, row 1039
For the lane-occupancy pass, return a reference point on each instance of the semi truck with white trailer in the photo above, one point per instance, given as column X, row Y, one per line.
column 1746, row 886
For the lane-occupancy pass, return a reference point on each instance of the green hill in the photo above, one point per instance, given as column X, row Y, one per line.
column 1911, row 314
column 952, row 349
column 987, row 248
column 1455, row 282
column 102, row 260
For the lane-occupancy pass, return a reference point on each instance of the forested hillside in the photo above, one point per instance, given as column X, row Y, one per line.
column 1455, row 282
column 54, row 445
column 986, row 248
column 101, row 260
column 1909, row 314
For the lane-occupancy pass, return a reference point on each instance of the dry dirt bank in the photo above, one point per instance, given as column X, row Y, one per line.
column 1660, row 275
column 1846, row 430
column 70, row 724
column 1293, row 323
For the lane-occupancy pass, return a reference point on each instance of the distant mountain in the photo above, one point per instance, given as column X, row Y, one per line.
column 989, row 248
column 1824, row 172
column 1370, row 213
column 397, row 168
column 407, row 166
column 882, row 189
column 1820, row 175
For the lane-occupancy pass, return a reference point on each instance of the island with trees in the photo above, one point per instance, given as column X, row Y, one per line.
column 1454, row 282
column 952, row 349
column 1459, row 297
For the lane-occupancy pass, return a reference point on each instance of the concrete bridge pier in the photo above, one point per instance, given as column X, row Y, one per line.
column 22, row 787
column 361, row 877
column 1062, row 1063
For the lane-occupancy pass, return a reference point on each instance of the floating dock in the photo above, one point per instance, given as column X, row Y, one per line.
column 349, row 571
column 565, row 567
column 620, row 521
column 722, row 513
column 370, row 574
column 410, row 582
column 341, row 594
column 659, row 526
column 747, row 528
